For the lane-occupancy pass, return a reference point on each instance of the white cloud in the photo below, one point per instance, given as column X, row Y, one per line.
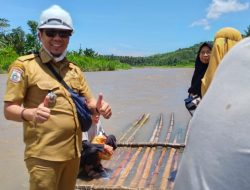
column 201, row 22
column 219, row 7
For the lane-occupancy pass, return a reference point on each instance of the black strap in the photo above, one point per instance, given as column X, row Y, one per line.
column 58, row 77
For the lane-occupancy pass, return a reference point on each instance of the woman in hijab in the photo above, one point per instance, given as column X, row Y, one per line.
column 224, row 40
column 201, row 64
column 218, row 148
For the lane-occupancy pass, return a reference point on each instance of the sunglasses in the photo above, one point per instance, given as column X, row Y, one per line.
column 61, row 33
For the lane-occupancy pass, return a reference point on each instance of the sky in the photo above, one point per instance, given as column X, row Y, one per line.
column 136, row 27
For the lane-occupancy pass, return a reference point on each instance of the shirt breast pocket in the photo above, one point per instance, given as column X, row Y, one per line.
column 38, row 94
column 48, row 86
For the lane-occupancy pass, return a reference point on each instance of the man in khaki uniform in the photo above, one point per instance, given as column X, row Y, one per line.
column 51, row 128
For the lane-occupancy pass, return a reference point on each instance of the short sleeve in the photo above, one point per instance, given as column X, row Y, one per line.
column 16, row 83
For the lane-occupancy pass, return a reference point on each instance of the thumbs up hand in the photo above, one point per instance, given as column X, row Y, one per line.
column 103, row 107
column 46, row 101
column 42, row 112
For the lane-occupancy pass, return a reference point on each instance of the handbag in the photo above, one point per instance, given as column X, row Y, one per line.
column 191, row 103
column 83, row 112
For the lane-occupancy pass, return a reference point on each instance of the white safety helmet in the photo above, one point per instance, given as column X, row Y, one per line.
column 55, row 17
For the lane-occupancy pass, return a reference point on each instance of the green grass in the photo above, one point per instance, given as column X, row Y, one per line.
column 7, row 56
column 96, row 63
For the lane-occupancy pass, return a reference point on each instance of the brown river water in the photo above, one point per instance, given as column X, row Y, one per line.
column 130, row 93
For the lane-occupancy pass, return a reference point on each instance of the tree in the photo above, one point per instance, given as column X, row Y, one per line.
column 32, row 43
column 16, row 39
column 4, row 24
column 247, row 32
column 89, row 52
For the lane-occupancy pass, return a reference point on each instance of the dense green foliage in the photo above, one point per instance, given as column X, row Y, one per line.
column 16, row 38
column 184, row 57
column 180, row 57
column 7, row 56
column 16, row 42
column 31, row 43
column 87, row 63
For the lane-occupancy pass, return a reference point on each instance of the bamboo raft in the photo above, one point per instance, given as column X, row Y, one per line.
column 141, row 165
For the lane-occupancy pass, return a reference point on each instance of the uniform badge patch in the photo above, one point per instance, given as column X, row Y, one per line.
column 16, row 75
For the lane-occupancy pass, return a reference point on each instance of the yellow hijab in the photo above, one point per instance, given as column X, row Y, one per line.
column 224, row 40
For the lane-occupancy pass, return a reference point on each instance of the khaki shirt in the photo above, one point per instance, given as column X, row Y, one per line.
column 29, row 81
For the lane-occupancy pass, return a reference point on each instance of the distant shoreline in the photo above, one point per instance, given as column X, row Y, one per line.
column 134, row 67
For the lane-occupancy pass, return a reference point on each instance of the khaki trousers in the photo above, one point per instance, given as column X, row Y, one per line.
column 52, row 175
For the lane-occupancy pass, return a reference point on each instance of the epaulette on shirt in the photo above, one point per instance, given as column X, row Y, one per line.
column 19, row 65
column 27, row 57
column 72, row 63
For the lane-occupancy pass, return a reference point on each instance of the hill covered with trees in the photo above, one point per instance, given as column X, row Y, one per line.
column 183, row 57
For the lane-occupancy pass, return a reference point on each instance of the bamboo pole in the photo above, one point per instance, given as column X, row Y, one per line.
column 127, row 154
column 100, row 187
column 174, row 169
column 131, row 163
column 118, row 170
column 136, row 123
column 149, row 159
column 140, row 168
column 164, row 180
column 133, row 134
column 128, row 168
column 163, row 153
column 145, row 144
column 118, row 153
